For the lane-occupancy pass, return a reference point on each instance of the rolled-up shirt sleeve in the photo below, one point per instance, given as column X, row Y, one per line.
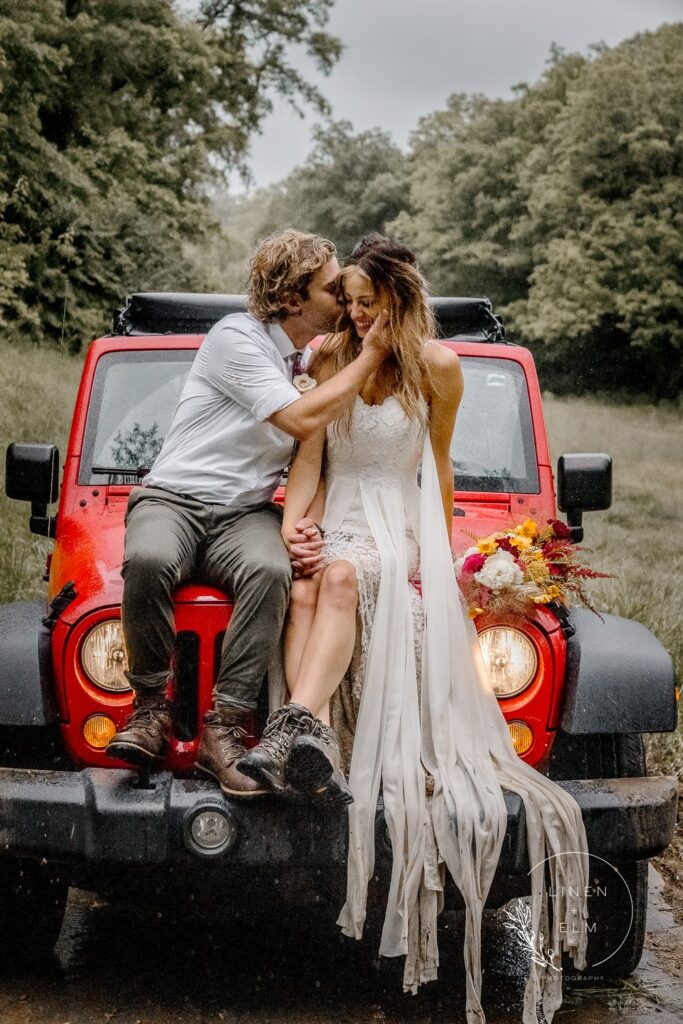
column 240, row 368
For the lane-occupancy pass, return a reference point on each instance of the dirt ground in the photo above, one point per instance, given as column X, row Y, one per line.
column 122, row 964
column 670, row 867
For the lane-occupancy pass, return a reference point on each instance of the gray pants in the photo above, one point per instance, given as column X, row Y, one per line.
column 170, row 539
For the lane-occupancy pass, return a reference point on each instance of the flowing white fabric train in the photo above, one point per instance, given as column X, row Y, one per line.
column 451, row 726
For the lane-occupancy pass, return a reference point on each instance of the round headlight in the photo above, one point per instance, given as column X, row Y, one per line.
column 103, row 656
column 510, row 658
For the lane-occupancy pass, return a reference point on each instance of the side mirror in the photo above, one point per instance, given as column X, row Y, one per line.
column 32, row 474
column 584, row 484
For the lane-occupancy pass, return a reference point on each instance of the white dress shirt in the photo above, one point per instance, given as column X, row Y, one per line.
column 219, row 448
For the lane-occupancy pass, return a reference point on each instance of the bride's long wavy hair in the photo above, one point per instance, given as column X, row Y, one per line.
column 393, row 272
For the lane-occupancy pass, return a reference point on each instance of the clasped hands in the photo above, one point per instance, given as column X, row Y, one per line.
column 305, row 545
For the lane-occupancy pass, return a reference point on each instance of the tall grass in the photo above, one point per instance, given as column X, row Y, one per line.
column 640, row 538
column 37, row 393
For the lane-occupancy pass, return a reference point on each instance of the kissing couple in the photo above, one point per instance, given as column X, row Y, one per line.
column 415, row 717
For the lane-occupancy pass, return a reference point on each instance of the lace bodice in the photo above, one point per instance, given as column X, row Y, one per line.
column 382, row 447
column 382, row 443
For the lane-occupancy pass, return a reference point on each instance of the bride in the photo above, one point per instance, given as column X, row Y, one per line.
column 418, row 719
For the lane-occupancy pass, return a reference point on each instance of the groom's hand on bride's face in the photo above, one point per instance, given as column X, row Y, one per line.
column 305, row 546
column 378, row 338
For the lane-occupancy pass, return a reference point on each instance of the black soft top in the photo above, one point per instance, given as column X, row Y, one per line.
column 194, row 313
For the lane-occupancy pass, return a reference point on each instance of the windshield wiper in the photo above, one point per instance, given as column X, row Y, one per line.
column 137, row 471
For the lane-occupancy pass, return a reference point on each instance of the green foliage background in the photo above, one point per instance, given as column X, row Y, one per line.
column 117, row 118
column 564, row 205
column 120, row 121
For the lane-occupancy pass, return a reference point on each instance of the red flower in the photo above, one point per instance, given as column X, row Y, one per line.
column 472, row 564
column 560, row 529
column 505, row 545
column 554, row 547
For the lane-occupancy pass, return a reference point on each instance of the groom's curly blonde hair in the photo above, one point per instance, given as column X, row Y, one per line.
column 283, row 265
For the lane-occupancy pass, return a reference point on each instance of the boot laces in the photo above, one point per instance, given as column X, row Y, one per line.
column 278, row 734
column 328, row 738
column 325, row 733
column 232, row 740
column 145, row 717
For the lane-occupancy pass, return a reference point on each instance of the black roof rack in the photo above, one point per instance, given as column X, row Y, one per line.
column 195, row 313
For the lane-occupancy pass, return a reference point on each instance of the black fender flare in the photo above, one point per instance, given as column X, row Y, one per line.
column 619, row 679
column 26, row 679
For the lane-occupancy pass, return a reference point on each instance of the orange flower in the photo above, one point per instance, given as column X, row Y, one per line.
column 473, row 612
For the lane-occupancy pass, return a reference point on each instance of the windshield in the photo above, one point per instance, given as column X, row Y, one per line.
column 133, row 400
column 135, row 395
column 493, row 444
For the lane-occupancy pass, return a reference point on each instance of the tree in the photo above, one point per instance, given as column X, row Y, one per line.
column 565, row 206
column 349, row 186
column 115, row 115
column 604, row 222
column 465, row 199
column 468, row 192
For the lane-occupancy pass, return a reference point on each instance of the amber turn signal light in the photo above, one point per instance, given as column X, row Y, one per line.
column 521, row 736
column 98, row 730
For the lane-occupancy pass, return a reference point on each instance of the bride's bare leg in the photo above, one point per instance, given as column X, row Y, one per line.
column 300, row 616
column 331, row 640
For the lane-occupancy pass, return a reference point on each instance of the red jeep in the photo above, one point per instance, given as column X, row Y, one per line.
column 577, row 690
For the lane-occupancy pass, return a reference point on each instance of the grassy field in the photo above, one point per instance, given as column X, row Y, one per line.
column 37, row 394
column 640, row 538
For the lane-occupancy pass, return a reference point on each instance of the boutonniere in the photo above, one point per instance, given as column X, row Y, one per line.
column 302, row 382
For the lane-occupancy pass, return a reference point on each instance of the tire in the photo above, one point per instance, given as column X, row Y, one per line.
column 31, row 746
column 607, row 756
column 32, row 904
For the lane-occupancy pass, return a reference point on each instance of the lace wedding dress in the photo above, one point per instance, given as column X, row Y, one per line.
column 428, row 729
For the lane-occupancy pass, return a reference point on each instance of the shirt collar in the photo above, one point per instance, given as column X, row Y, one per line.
column 281, row 340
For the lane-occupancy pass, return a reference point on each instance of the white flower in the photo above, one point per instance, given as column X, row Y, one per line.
column 302, row 382
column 499, row 571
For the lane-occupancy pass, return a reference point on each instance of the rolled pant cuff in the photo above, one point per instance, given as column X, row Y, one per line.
column 151, row 681
column 224, row 700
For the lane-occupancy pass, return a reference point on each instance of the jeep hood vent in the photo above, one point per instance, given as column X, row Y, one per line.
column 193, row 313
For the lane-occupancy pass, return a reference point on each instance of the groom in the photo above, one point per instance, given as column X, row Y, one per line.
column 205, row 509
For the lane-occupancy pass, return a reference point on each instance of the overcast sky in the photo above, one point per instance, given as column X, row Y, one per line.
column 403, row 58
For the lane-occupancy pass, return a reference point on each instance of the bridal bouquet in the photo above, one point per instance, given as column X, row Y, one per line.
column 510, row 572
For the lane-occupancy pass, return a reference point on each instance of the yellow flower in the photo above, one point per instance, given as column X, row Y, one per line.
column 537, row 572
column 473, row 612
column 541, row 598
column 538, row 555
column 520, row 541
column 527, row 529
column 487, row 546
column 554, row 591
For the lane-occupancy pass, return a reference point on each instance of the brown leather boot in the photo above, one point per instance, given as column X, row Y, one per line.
column 146, row 732
column 220, row 748
column 266, row 762
column 314, row 765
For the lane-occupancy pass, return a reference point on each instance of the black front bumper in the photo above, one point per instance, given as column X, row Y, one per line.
column 99, row 817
